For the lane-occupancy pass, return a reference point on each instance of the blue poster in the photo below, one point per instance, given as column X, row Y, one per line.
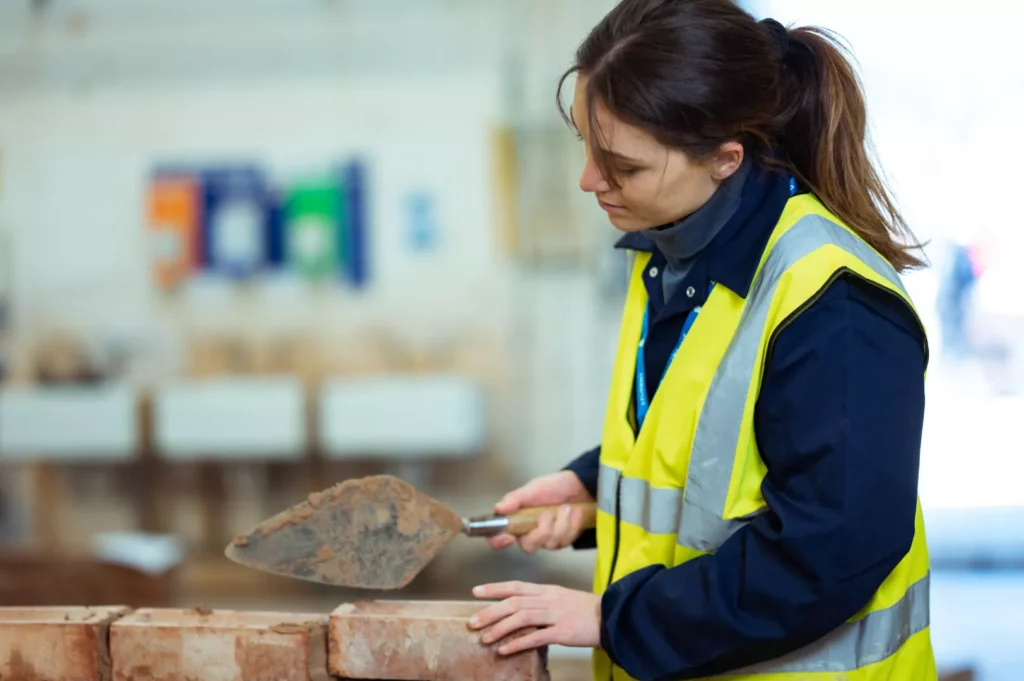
column 422, row 222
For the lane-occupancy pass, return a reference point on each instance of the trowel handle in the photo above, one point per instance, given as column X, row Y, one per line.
column 523, row 521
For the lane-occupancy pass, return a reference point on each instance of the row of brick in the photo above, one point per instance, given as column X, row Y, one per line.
column 399, row 640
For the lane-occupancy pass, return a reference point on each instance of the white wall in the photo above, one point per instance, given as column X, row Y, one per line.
column 85, row 117
column 93, row 94
column 78, row 165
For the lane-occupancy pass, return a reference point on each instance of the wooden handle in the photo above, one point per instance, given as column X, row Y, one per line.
column 523, row 521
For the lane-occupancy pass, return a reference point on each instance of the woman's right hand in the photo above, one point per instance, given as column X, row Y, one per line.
column 553, row 531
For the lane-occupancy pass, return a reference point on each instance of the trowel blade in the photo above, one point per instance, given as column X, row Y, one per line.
column 376, row 532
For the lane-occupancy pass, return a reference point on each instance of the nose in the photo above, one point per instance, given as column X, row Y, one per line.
column 591, row 180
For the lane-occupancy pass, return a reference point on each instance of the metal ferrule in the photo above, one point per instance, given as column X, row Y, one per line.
column 484, row 526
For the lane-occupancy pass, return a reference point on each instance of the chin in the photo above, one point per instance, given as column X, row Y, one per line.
column 625, row 223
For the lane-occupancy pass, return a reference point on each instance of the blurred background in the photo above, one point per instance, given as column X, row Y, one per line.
column 248, row 250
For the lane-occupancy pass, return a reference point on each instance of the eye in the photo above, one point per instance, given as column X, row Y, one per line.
column 626, row 172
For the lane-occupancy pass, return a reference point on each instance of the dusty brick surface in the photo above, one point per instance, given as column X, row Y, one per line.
column 56, row 643
column 188, row 645
column 421, row 641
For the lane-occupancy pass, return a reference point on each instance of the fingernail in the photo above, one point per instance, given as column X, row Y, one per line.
column 478, row 591
column 474, row 620
column 566, row 510
column 502, row 649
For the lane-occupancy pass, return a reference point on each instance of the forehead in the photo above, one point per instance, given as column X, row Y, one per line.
column 616, row 135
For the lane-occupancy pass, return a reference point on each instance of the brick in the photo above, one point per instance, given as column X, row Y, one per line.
column 421, row 641
column 192, row 645
column 56, row 643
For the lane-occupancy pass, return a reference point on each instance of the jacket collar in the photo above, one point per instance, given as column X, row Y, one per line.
column 732, row 255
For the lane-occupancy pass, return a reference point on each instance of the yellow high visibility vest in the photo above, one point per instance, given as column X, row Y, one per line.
column 692, row 475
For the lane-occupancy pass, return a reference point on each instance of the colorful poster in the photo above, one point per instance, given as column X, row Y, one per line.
column 422, row 225
column 353, row 231
column 312, row 218
column 275, row 228
column 232, row 221
column 235, row 221
column 174, row 215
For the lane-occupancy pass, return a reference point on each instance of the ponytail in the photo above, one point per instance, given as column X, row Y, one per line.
column 823, row 124
column 698, row 74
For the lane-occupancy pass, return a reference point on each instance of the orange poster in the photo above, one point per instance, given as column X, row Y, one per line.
column 174, row 207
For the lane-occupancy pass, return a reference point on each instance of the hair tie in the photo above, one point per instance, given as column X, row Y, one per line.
column 779, row 34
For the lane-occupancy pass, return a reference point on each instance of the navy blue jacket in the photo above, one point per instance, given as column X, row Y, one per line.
column 838, row 422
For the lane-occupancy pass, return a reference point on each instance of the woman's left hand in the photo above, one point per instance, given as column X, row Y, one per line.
column 565, row 617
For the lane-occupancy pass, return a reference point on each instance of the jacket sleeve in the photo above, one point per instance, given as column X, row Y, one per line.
column 586, row 467
column 838, row 422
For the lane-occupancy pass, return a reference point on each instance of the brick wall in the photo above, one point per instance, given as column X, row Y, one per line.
column 374, row 640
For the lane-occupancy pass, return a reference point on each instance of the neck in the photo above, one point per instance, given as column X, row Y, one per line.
column 681, row 242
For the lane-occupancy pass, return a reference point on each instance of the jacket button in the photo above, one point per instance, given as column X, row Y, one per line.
column 653, row 272
column 690, row 292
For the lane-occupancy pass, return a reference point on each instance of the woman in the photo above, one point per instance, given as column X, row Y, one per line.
column 757, row 475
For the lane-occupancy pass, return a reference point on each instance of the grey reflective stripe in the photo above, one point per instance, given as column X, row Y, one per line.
column 607, row 484
column 656, row 510
column 854, row 645
column 718, row 429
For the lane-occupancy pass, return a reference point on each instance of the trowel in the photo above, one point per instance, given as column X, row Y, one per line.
column 376, row 532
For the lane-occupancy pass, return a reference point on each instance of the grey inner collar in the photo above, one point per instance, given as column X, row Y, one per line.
column 682, row 241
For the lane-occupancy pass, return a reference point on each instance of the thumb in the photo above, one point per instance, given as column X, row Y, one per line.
column 512, row 501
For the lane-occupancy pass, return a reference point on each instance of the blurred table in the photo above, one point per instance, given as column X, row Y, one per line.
column 405, row 419
column 218, row 421
column 43, row 426
column 226, row 419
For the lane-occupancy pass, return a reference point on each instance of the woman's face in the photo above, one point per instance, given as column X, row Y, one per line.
column 657, row 184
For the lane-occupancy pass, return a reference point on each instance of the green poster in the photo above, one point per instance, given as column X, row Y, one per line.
column 313, row 221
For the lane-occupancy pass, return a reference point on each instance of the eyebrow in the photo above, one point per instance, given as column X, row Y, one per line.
column 608, row 152
column 623, row 157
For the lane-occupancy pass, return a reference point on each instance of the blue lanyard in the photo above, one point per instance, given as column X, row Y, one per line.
column 642, row 402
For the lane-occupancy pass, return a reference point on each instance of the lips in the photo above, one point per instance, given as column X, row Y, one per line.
column 610, row 207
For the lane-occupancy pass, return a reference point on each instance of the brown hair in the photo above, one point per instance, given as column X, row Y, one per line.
column 698, row 73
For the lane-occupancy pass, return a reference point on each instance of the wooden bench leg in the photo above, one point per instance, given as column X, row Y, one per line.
column 46, row 506
column 213, row 494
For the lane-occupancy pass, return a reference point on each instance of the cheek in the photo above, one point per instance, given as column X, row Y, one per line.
column 636, row 195
column 664, row 202
column 645, row 200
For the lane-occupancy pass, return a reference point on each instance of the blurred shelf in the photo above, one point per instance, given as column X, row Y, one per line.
column 87, row 423
column 402, row 417
column 231, row 419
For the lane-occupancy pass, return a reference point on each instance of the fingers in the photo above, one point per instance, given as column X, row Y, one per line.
column 535, row 639
column 575, row 525
column 496, row 613
column 539, row 536
column 501, row 541
column 500, row 590
column 528, row 617
column 562, row 531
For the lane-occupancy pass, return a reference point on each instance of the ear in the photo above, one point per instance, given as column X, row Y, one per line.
column 726, row 160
